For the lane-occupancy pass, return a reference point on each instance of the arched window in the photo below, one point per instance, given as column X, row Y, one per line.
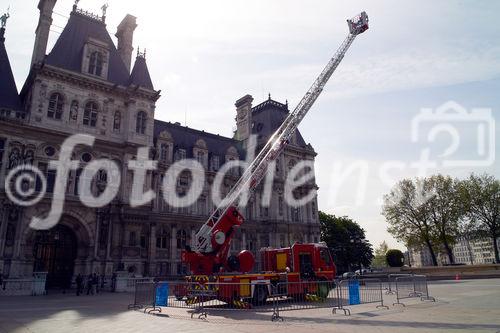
column 95, row 63
column 56, row 104
column 117, row 120
column 140, row 126
column 90, row 114
column 181, row 239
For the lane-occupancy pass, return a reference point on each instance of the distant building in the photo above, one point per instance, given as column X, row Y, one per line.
column 465, row 251
column 419, row 256
column 472, row 252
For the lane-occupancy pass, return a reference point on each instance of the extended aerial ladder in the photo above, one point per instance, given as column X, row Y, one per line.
column 210, row 246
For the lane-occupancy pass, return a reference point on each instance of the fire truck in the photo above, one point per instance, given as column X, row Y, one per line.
column 207, row 257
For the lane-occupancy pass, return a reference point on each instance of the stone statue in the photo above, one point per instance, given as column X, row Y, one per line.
column 3, row 19
column 117, row 121
column 104, row 8
column 73, row 112
column 14, row 158
column 29, row 157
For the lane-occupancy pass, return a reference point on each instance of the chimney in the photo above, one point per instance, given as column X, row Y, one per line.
column 42, row 30
column 125, row 35
column 243, row 117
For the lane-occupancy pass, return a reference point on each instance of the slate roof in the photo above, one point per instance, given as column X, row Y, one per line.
column 68, row 51
column 9, row 98
column 185, row 138
column 268, row 116
column 140, row 74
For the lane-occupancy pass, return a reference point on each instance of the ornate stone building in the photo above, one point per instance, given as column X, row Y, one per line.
column 85, row 85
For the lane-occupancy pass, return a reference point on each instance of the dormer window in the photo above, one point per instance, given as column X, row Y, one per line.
column 95, row 59
column 95, row 63
column 56, row 104
column 90, row 114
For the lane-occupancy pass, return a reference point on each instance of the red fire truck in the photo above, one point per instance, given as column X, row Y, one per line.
column 207, row 258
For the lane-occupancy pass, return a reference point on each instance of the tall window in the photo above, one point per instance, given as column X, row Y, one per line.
column 295, row 212
column 50, row 176
column 200, row 156
column 78, row 173
column 95, row 63
column 140, row 126
column 202, row 204
column 215, row 163
column 163, row 152
column 183, row 179
column 90, row 114
column 132, row 239
column 180, row 154
column 162, row 240
column 181, row 239
column 56, row 104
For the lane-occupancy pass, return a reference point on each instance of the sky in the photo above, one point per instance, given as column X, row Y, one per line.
column 204, row 55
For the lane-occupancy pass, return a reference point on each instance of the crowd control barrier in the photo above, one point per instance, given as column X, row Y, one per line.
column 145, row 297
column 272, row 298
column 303, row 295
column 361, row 291
column 391, row 282
column 412, row 287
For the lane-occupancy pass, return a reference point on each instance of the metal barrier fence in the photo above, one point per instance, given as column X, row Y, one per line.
column 145, row 297
column 360, row 291
column 391, row 282
column 411, row 287
column 291, row 296
column 263, row 297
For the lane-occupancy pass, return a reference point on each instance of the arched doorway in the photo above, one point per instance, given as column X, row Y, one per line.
column 55, row 252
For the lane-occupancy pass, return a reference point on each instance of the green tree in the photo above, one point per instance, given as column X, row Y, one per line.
column 481, row 197
column 445, row 210
column 408, row 216
column 395, row 258
column 347, row 242
column 379, row 259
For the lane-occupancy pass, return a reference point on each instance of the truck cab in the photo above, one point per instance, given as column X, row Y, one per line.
column 311, row 261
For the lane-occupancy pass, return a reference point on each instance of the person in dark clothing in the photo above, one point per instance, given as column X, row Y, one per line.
column 113, row 282
column 89, row 285
column 94, row 283
column 79, row 284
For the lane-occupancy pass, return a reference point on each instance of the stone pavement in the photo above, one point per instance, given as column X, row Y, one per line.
column 462, row 306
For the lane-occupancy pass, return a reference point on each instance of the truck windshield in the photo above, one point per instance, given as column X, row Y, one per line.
column 325, row 256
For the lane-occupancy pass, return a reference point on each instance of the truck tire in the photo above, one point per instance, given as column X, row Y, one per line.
column 259, row 295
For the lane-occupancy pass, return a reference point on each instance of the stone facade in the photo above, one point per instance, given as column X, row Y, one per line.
column 89, row 93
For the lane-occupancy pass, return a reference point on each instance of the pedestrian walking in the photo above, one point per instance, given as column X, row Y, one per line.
column 79, row 284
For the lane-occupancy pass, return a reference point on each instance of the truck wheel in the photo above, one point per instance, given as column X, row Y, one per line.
column 259, row 295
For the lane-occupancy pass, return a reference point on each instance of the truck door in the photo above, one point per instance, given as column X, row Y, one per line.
column 306, row 265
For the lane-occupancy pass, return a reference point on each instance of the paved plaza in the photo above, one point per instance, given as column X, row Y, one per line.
column 462, row 306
